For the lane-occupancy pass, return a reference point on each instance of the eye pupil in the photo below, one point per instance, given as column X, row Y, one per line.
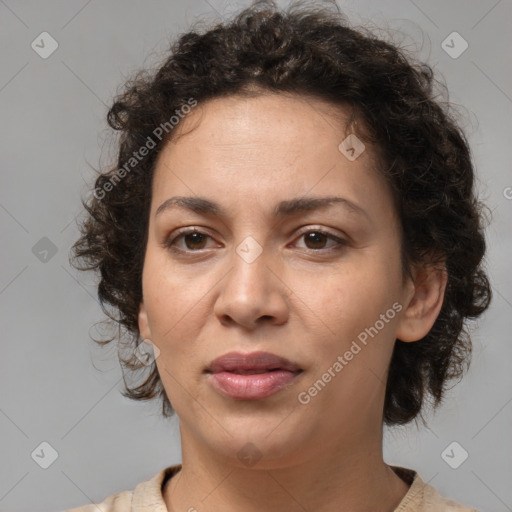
column 314, row 236
column 197, row 238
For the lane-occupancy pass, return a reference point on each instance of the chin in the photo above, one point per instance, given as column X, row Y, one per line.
column 259, row 444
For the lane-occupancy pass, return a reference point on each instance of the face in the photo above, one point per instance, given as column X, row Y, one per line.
column 317, row 286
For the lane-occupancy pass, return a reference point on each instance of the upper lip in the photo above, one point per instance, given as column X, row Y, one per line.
column 238, row 361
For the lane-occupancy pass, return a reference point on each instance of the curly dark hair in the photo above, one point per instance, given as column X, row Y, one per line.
column 423, row 153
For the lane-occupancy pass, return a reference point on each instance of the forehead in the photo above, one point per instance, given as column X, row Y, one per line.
column 247, row 122
column 269, row 145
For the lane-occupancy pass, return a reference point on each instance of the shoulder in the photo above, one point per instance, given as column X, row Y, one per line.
column 434, row 501
column 146, row 496
column 422, row 497
column 121, row 501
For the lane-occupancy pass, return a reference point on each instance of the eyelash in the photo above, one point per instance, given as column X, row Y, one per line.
column 169, row 243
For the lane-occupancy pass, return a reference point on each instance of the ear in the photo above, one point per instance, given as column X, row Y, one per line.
column 145, row 331
column 424, row 302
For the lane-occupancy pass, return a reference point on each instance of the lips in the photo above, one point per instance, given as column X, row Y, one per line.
column 256, row 362
column 251, row 376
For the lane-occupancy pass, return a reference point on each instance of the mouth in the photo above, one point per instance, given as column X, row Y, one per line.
column 251, row 376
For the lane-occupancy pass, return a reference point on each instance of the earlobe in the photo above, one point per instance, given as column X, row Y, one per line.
column 144, row 330
column 424, row 305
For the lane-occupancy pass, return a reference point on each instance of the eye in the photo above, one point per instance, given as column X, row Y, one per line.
column 194, row 240
column 315, row 240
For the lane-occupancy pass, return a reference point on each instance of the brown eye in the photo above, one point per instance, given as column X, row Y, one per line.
column 193, row 239
column 316, row 240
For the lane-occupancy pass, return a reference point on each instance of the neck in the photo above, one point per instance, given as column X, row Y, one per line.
column 352, row 478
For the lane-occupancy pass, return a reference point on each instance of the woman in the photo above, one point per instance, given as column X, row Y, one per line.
column 292, row 227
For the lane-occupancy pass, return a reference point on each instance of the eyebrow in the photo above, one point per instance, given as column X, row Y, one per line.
column 287, row 208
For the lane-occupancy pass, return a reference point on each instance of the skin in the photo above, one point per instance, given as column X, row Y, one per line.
column 301, row 298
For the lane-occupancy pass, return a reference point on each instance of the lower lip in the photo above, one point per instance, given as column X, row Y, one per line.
column 247, row 387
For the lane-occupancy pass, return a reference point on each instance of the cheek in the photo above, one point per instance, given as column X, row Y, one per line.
column 178, row 306
column 355, row 296
column 362, row 340
column 350, row 304
column 167, row 299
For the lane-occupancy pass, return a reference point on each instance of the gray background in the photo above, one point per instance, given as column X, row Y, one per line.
column 58, row 386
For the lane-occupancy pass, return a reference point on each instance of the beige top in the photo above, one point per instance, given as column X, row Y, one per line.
column 148, row 497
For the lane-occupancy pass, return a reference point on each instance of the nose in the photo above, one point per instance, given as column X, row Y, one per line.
column 252, row 293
